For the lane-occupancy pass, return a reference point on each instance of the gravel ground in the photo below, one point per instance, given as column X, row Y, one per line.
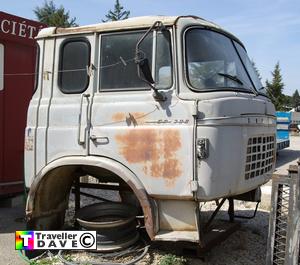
column 245, row 246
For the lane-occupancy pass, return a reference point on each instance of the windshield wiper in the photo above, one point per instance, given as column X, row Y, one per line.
column 232, row 77
column 269, row 93
column 236, row 79
column 262, row 88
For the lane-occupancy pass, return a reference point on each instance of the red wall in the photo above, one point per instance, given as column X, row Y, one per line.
column 17, row 35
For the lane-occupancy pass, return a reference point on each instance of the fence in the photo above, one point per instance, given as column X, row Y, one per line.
column 284, row 224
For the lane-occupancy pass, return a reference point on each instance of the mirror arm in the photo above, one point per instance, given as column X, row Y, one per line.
column 140, row 60
column 157, row 24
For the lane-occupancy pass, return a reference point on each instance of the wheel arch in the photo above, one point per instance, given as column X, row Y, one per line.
column 47, row 198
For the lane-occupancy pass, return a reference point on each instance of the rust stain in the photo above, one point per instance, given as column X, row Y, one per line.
column 147, row 209
column 135, row 118
column 138, row 145
column 155, row 149
column 139, row 117
column 119, row 116
column 75, row 29
column 145, row 169
column 131, row 118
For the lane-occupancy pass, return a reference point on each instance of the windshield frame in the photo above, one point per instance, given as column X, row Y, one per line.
column 258, row 89
column 232, row 38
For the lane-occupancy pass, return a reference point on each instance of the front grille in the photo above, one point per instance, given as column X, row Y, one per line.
column 260, row 156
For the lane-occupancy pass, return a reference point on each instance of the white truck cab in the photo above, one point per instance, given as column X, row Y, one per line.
column 169, row 106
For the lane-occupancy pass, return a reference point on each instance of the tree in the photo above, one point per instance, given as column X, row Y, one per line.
column 117, row 14
column 256, row 69
column 296, row 99
column 275, row 88
column 53, row 16
column 287, row 102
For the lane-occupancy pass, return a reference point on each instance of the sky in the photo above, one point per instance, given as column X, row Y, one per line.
column 270, row 29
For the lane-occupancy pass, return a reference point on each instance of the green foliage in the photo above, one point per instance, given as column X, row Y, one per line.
column 275, row 88
column 55, row 260
column 43, row 262
column 172, row 260
column 117, row 13
column 287, row 102
column 256, row 69
column 296, row 99
column 53, row 16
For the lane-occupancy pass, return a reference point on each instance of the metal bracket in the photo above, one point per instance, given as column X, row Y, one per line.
column 202, row 148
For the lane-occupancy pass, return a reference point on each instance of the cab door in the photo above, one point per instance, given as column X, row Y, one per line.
column 72, row 90
column 152, row 138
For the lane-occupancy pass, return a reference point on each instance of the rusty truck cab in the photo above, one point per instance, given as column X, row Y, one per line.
column 169, row 107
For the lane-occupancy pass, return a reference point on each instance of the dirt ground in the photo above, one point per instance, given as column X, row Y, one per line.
column 246, row 246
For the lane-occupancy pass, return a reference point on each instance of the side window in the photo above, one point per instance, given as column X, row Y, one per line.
column 117, row 67
column 1, row 67
column 74, row 59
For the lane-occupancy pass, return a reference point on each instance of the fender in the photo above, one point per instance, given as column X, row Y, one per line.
column 102, row 162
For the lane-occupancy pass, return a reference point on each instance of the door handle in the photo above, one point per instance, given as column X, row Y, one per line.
column 99, row 139
column 82, row 127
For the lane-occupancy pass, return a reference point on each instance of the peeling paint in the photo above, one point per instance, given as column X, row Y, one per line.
column 155, row 149
column 131, row 118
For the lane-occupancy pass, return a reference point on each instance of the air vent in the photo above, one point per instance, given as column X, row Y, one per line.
column 260, row 156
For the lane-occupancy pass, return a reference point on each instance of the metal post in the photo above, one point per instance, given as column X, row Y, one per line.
column 292, row 250
column 77, row 193
column 231, row 210
column 284, row 224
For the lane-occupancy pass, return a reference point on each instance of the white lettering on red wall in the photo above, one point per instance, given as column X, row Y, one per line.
column 20, row 29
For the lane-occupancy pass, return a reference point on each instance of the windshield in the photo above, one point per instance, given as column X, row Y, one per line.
column 213, row 62
column 250, row 68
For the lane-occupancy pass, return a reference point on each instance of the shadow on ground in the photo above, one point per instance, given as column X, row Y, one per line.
column 286, row 156
column 246, row 246
column 12, row 219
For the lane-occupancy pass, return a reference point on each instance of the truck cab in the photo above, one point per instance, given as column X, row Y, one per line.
column 170, row 107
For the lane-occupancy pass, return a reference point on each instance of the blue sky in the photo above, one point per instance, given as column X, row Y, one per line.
column 270, row 29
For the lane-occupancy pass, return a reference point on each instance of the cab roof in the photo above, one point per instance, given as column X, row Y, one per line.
column 130, row 23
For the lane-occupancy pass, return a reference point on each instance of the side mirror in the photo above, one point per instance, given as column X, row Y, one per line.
column 164, row 77
column 143, row 63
